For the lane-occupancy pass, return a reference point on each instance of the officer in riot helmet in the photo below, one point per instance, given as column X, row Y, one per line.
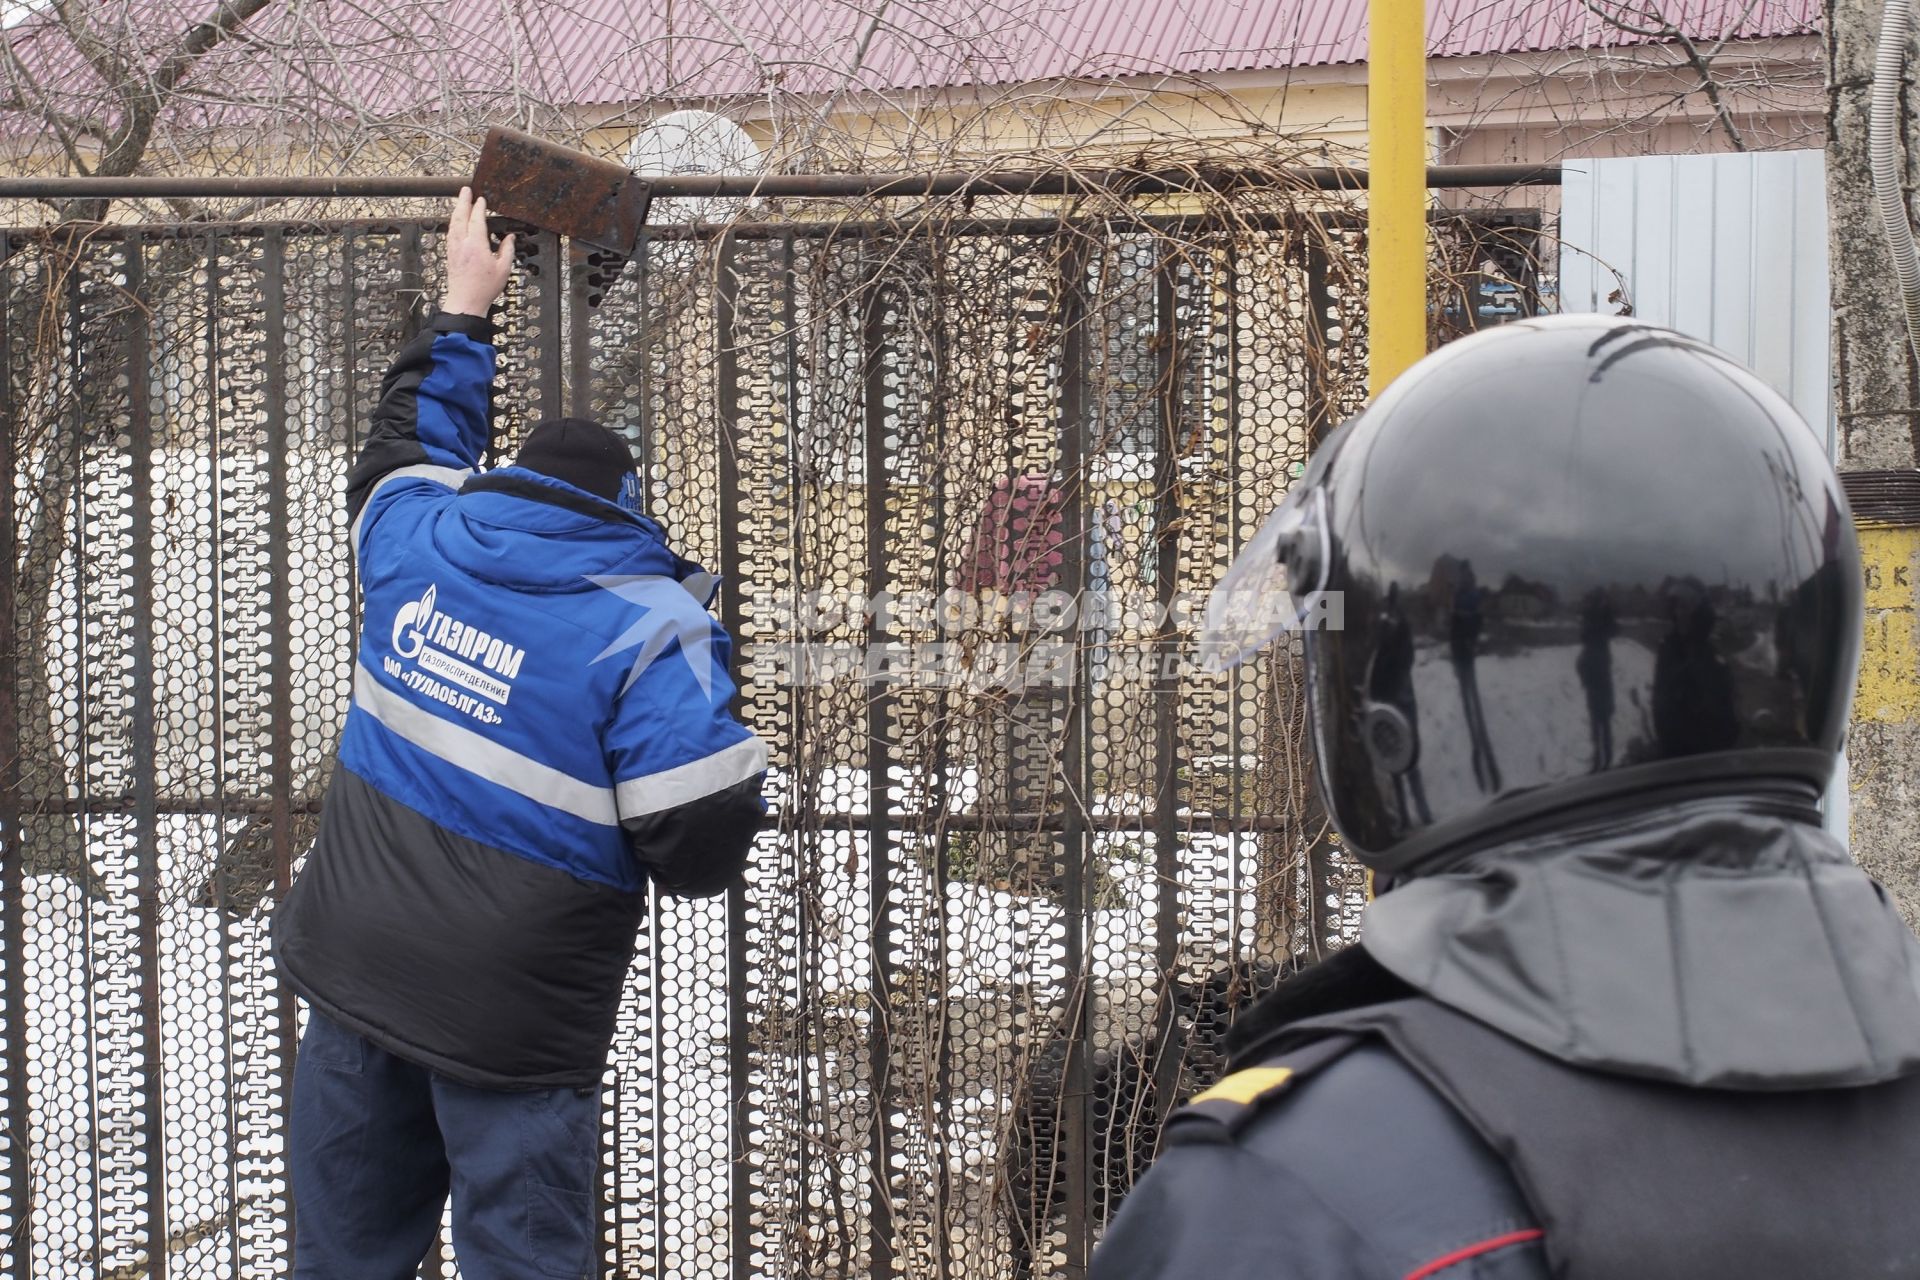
column 1621, row 1009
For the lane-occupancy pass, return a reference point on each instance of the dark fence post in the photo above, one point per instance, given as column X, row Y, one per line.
column 1074, row 1133
column 940, row 396
column 1170, row 356
column 1320, row 405
column 1323, row 876
column 17, row 1252
column 551, row 263
column 727, row 340
column 280, row 654
column 656, row 959
column 579, row 320
column 875, row 352
column 574, row 332
column 146, row 815
column 643, row 304
column 73, row 423
column 411, row 298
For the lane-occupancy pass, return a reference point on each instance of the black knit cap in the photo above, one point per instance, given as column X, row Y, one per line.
column 584, row 454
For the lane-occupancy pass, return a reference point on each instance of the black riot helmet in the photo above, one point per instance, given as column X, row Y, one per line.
column 1554, row 566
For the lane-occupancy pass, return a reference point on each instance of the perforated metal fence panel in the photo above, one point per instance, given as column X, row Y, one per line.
column 1025, row 864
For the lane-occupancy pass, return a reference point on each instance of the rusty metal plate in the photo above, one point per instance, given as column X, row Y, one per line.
column 559, row 189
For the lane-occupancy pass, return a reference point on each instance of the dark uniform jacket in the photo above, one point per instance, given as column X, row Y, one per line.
column 540, row 728
column 1684, row 1048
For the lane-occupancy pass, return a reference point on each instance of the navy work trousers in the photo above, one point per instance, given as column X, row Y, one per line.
column 377, row 1143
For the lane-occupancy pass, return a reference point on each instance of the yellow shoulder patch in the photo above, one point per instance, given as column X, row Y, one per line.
column 1246, row 1087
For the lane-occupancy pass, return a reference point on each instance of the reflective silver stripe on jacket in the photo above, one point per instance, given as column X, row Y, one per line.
column 452, row 477
column 481, row 756
column 684, row 783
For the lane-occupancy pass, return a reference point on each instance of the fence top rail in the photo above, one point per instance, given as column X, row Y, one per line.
column 1026, row 182
column 1259, row 220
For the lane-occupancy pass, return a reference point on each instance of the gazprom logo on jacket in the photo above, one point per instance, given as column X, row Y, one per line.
column 406, row 629
column 467, row 658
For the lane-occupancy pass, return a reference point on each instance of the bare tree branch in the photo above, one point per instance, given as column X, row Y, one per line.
column 141, row 97
column 853, row 67
column 107, row 62
column 62, row 125
column 203, row 37
column 1659, row 27
column 144, row 100
column 1711, row 89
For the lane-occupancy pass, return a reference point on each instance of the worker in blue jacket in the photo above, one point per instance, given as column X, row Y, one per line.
column 540, row 727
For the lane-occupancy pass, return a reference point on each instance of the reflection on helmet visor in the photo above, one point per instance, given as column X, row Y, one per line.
column 1253, row 602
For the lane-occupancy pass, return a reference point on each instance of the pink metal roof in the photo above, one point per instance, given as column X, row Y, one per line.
column 615, row 48
column 400, row 59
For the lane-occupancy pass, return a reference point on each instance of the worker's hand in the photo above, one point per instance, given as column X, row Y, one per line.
column 476, row 272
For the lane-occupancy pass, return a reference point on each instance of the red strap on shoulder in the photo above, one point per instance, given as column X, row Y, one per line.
column 1441, row 1263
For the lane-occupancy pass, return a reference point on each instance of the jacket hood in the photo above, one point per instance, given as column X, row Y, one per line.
column 489, row 529
column 1707, row 943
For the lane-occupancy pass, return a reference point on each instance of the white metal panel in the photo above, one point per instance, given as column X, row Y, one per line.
column 1731, row 249
column 1733, row 291
column 1775, row 328
column 1812, row 298
column 1692, row 239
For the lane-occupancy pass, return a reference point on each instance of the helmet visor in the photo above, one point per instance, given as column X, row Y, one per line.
column 1256, row 599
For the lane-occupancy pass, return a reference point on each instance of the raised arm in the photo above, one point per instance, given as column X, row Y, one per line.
column 435, row 413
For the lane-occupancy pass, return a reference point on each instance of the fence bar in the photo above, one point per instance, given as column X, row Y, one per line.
column 410, row 298
column 1229, row 315
column 657, row 1084
column 938, row 391
column 726, row 298
column 578, row 340
column 643, row 297
column 74, row 425
column 1171, row 358
column 223, row 335
column 579, row 320
column 1323, row 414
column 279, row 660
column 146, row 820
column 874, row 420
column 17, row 1253
column 1019, row 182
column 350, row 354
column 789, row 413
column 550, row 284
column 1073, row 1132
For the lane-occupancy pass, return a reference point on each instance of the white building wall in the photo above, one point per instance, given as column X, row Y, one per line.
column 1728, row 248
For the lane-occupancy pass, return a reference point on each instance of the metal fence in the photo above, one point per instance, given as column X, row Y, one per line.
column 1027, row 863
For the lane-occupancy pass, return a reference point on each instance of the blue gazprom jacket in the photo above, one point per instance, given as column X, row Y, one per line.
column 540, row 726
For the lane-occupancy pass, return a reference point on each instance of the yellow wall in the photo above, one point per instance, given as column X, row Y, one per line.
column 1889, row 689
column 1309, row 124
